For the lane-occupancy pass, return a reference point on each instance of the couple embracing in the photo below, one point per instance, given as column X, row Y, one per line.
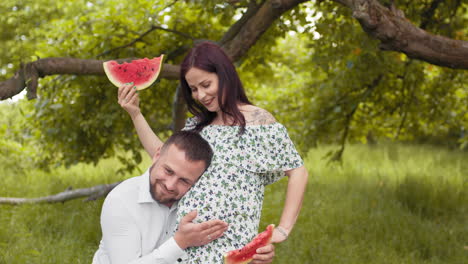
column 203, row 195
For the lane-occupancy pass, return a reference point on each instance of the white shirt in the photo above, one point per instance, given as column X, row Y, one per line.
column 135, row 228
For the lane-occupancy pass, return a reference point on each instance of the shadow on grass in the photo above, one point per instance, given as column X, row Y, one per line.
column 374, row 221
column 431, row 198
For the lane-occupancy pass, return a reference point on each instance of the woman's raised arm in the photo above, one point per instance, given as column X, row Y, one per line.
column 129, row 100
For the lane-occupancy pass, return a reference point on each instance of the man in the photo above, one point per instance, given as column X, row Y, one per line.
column 139, row 215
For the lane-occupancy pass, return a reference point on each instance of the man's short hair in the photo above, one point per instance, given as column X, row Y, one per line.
column 195, row 147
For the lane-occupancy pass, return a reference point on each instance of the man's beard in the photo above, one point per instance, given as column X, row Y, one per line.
column 156, row 197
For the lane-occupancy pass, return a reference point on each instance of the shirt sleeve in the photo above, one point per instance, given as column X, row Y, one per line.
column 122, row 238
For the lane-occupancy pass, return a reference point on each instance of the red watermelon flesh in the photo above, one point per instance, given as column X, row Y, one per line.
column 142, row 72
column 245, row 254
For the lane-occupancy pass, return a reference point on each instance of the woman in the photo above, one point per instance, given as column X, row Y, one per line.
column 251, row 150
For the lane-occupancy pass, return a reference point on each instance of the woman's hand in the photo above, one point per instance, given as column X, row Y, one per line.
column 278, row 236
column 264, row 255
column 129, row 100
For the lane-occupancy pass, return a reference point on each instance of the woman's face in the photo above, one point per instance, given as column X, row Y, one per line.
column 204, row 87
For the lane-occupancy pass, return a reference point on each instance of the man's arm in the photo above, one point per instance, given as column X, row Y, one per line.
column 122, row 239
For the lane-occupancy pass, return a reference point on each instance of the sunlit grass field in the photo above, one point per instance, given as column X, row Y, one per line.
column 384, row 204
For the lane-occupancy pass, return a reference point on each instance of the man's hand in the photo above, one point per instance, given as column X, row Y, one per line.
column 264, row 255
column 190, row 234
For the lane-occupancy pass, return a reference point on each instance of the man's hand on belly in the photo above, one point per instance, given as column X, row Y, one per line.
column 190, row 234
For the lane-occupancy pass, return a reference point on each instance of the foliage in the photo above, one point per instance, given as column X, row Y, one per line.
column 17, row 151
column 386, row 204
column 330, row 77
column 394, row 96
column 78, row 118
column 314, row 69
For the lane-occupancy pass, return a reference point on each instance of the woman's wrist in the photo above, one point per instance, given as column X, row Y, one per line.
column 282, row 231
column 135, row 115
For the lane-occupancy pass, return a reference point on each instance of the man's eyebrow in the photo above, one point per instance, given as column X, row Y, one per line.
column 167, row 167
column 187, row 179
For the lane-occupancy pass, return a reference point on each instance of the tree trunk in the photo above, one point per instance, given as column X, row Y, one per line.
column 256, row 25
column 179, row 110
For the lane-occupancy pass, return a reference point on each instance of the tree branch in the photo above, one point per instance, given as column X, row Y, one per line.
column 92, row 193
column 387, row 25
column 406, row 100
column 28, row 74
column 396, row 33
column 182, row 34
column 170, row 4
column 141, row 36
column 337, row 155
column 256, row 25
column 236, row 27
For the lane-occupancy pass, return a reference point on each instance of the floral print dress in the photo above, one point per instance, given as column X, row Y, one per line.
column 232, row 188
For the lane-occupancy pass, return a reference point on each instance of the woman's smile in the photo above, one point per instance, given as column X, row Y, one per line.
column 208, row 102
column 204, row 88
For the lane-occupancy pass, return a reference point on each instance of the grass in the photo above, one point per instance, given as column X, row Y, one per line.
column 389, row 204
column 385, row 204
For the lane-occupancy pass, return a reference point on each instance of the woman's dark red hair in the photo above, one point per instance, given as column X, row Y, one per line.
column 210, row 57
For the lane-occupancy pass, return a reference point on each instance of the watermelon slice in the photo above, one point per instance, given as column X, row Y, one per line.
column 245, row 254
column 141, row 72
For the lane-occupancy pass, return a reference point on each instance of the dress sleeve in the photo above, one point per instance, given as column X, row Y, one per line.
column 190, row 124
column 270, row 152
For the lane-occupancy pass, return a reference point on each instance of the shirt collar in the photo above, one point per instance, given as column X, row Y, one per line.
column 144, row 194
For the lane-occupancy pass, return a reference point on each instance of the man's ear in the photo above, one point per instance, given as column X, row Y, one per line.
column 156, row 154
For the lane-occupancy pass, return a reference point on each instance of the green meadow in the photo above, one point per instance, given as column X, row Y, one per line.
column 384, row 204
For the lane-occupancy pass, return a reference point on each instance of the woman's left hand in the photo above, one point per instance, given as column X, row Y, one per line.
column 264, row 255
column 278, row 237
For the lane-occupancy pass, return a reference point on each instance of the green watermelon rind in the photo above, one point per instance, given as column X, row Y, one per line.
column 229, row 258
column 108, row 70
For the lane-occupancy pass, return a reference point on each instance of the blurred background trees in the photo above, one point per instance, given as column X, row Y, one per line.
column 314, row 68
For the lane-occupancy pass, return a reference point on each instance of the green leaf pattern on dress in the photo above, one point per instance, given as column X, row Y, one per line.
column 232, row 188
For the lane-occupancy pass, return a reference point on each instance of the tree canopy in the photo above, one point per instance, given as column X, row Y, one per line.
column 331, row 71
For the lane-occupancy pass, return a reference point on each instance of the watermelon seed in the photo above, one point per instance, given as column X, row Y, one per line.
column 152, row 69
